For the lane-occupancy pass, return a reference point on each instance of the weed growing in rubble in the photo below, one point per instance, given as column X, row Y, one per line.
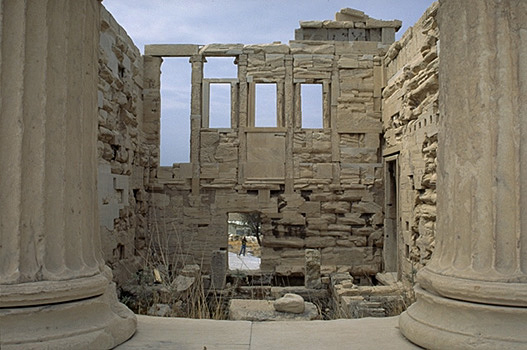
column 163, row 287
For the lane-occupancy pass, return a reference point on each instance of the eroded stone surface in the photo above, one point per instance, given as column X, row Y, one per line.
column 263, row 310
column 55, row 291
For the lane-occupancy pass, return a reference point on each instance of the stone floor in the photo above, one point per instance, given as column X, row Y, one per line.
column 190, row 334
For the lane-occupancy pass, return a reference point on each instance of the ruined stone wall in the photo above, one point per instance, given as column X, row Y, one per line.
column 123, row 154
column 314, row 188
column 410, row 124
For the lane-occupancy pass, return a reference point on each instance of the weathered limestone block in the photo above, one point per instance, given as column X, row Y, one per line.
column 221, row 49
column 367, row 207
column 311, row 24
column 353, row 241
column 319, row 242
column 311, row 47
column 160, row 310
column 218, row 269
column 289, row 242
column 336, row 207
column 351, row 219
column 358, row 155
column 346, row 256
column 274, row 48
column 171, row 50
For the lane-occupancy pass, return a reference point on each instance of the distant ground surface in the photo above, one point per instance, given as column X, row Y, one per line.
column 253, row 247
column 248, row 262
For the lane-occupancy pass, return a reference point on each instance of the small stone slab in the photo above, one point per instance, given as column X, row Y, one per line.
column 263, row 310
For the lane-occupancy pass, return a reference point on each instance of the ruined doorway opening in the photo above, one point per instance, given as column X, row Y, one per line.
column 175, row 111
column 246, row 226
column 391, row 210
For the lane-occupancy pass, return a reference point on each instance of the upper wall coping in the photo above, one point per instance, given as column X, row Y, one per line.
column 172, row 50
column 351, row 18
column 315, row 48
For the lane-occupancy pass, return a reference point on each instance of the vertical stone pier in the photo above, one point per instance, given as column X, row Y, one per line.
column 473, row 292
column 55, row 290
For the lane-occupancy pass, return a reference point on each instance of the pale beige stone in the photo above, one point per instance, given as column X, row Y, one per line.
column 263, row 310
column 290, row 303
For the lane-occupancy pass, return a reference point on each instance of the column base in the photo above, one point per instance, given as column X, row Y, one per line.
column 94, row 323
column 435, row 322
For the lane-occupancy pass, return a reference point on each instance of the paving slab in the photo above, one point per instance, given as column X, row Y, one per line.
column 190, row 334
column 355, row 334
column 170, row 333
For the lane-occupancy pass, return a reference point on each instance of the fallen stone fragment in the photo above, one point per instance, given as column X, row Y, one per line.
column 160, row 310
column 183, row 283
column 290, row 302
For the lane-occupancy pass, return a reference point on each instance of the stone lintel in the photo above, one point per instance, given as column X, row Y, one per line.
column 222, row 50
column 171, row 50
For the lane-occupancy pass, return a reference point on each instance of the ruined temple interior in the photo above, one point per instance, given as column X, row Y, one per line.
column 345, row 208
column 314, row 188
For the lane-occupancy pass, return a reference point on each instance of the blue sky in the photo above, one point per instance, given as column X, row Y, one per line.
column 227, row 21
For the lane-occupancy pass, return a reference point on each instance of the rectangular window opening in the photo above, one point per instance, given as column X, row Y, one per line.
column 265, row 105
column 175, row 111
column 312, row 106
column 220, row 106
column 220, row 67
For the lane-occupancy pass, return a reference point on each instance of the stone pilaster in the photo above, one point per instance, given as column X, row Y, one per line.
column 243, row 100
column 195, row 118
column 473, row 292
column 152, row 104
column 55, row 290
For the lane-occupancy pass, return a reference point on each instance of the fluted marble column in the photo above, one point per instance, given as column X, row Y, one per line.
column 473, row 293
column 55, row 291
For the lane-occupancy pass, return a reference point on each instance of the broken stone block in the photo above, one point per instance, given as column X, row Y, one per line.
column 312, row 274
column 192, row 270
column 292, row 303
column 263, row 310
column 218, row 269
column 183, row 283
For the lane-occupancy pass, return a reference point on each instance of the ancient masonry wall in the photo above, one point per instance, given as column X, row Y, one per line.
column 410, row 124
column 123, row 153
column 315, row 188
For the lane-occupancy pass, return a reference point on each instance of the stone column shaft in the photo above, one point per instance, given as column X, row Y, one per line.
column 50, row 254
column 473, row 292
column 47, row 193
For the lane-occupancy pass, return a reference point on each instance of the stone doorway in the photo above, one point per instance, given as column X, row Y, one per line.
column 391, row 210
column 244, row 226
